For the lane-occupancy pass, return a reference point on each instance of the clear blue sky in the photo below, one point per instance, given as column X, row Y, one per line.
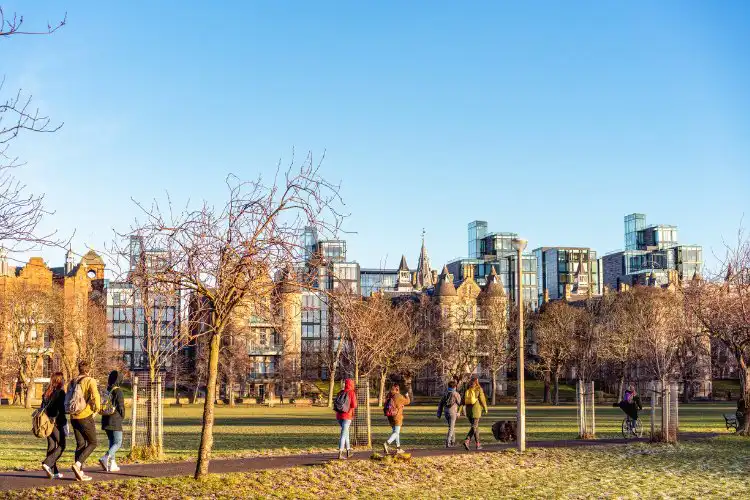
column 551, row 119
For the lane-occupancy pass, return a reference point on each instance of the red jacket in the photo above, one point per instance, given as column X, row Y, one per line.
column 349, row 387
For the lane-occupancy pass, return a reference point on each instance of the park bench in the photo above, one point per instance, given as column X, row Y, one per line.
column 730, row 419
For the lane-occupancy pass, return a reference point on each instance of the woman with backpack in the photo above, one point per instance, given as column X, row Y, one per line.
column 394, row 410
column 53, row 402
column 474, row 402
column 344, row 405
column 113, row 413
column 449, row 405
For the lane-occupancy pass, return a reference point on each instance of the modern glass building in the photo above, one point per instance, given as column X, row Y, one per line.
column 576, row 267
column 650, row 253
column 488, row 250
column 374, row 280
column 126, row 311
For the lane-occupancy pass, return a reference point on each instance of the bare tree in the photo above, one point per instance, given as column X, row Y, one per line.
column 721, row 304
column 619, row 341
column 223, row 256
column 494, row 338
column 28, row 321
column 555, row 328
column 20, row 211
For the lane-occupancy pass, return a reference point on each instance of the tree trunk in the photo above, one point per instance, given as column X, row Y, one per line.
column 557, row 389
column 195, row 392
column 408, row 382
column 230, row 385
column 174, row 381
column 27, row 392
column 745, row 383
column 687, row 389
column 546, row 398
column 331, row 387
column 494, row 388
column 207, row 429
column 381, row 393
column 621, row 388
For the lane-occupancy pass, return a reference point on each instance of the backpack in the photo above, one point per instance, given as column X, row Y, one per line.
column 75, row 401
column 108, row 403
column 342, row 403
column 471, row 397
column 389, row 408
column 628, row 398
column 41, row 425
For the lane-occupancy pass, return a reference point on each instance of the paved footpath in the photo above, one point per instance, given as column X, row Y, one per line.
column 17, row 480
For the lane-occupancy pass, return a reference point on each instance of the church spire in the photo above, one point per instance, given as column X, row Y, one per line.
column 424, row 273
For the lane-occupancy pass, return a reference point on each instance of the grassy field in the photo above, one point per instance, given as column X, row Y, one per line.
column 715, row 468
column 252, row 430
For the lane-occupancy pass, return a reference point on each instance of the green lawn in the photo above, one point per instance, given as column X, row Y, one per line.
column 253, row 430
column 712, row 468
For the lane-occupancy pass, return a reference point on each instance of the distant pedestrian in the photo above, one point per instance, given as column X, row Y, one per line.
column 344, row 405
column 449, row 406
column 394, row 410
column 475, row 403
column 18, row 393
column 82, row 403
column 112, row 423
column 53, row 402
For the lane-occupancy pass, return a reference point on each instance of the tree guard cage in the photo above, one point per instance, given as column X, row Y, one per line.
column 360, row 433
column 665, row 417
column 147, row 416
column 585, row 409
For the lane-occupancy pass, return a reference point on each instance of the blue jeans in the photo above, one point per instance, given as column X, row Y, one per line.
column 344, row 443
column 115, row 441
column 395, row 436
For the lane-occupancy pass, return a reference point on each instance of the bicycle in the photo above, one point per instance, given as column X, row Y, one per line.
column 632, row 428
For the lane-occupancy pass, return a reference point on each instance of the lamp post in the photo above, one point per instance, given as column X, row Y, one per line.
column 520, row 245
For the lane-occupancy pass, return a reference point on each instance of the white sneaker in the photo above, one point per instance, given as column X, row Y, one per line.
column 113, row 467
column 59, row 475
column 77, row 472
column 84, row 477
column 104, row 462
column 399, row 451
column 48, row 470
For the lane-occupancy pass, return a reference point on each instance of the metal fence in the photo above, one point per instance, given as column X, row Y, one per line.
column 360, row 433
column 665, row 415
column 147, row 414
column 585, row 409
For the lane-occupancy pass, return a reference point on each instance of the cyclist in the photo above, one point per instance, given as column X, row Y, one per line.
column 631, row 403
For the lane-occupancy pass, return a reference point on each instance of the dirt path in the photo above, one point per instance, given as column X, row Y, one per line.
column 17, row 480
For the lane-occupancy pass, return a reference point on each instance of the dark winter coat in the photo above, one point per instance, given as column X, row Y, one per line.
column 114, row 422
column 55, row 409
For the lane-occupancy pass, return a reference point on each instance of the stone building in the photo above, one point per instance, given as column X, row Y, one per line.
column 262, row 341
column 460, row 315
column 79, row 287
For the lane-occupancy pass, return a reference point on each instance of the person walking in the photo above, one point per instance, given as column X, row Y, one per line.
column 474, row 403
column 112, row 424
column 53, row 402
column 449, row 405
column 345, row 404
column 82, row 421
column 394, row 410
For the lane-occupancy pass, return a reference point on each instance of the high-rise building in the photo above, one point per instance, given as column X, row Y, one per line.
column 127, row 310
column 651, row 252
column 495, row 250
column 576, row 268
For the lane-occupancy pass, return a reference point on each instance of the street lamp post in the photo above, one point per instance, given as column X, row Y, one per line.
column 520, row 245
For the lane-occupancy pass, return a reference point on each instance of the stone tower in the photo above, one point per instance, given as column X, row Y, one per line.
column 424, row 277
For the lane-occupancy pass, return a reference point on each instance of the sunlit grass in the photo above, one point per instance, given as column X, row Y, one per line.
column 711, row 468
column 253, row 430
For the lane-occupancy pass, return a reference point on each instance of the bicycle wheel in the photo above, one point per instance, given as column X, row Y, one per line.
column 638, row 428
column 626, row 428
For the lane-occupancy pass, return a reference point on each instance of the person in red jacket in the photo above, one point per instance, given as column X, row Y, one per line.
column 345, row 417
